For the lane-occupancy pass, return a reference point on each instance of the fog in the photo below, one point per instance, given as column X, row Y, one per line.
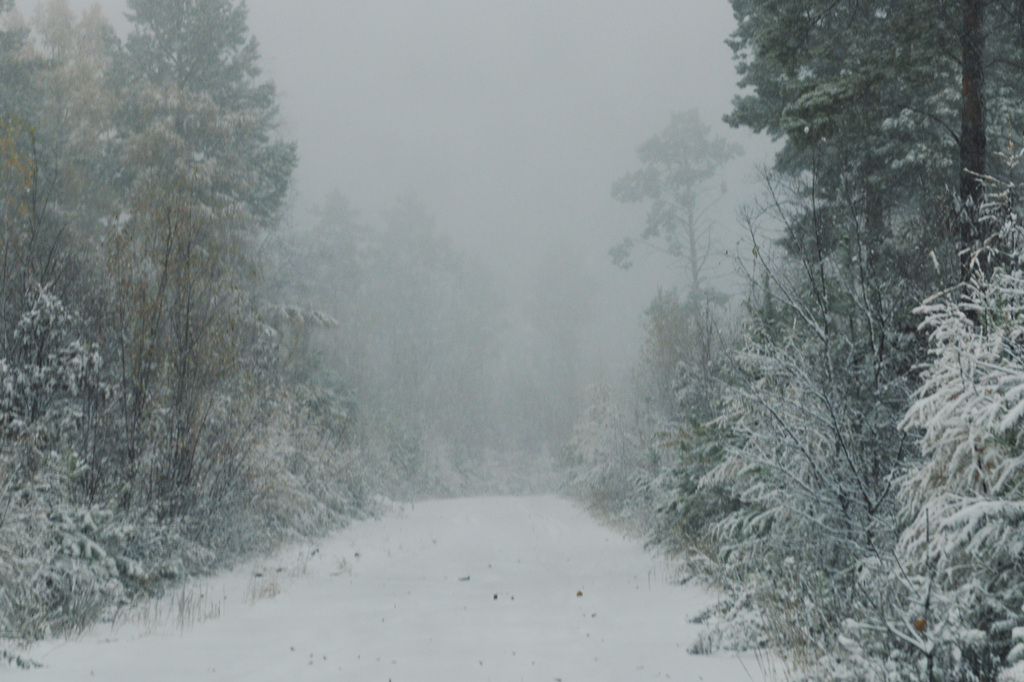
column 509, row 121
column 501, row 128
column 269, row 268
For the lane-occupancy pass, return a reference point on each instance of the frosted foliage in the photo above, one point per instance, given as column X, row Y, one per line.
column 970, row 405
column 306, row 480
column 597, row 441
column 53, row 574
column 38, row 386
column 189, row 136
column 972, row 400
column 607, row 457
column 964, row 502
column 809, row 457
column 796, row 460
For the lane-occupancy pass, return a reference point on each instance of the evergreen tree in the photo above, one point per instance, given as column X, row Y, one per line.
column 75, row 116
column 882, row 107
column 204, row 177
column 194, row 104
column 18, row 68
column 887, row 104
column 678, row 164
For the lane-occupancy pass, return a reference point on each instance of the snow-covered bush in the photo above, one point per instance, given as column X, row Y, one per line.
column 54, row 576
column 305, row 477
column 69, row 552
column 689, row 506
column 639, row 453
column 810, row 448
column 610, row 461
column 811, row 504
column 48, row 374
column 964, row 501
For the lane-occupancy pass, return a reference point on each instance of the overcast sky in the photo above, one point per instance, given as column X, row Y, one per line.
column 509, row 119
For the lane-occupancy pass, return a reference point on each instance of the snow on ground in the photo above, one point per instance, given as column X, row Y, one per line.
column 443, row 591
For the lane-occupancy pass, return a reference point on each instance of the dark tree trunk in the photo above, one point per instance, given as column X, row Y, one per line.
column 972, row 127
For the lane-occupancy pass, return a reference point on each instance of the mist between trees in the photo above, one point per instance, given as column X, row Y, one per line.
column 190, row 373
column 840, row 452
column 187, row 377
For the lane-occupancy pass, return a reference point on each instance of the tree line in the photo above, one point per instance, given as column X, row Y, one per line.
column 839, row 451
column 191, row 371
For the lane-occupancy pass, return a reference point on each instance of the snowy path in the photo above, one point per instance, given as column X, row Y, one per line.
column 551, row 595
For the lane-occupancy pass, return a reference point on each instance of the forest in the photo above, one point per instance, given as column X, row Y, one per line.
column 841, row 452
column 193, row 373
column 185, row 379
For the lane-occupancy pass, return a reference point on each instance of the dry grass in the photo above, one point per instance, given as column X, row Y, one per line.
column 267, row 583
column 261, row 586
column 183, row 609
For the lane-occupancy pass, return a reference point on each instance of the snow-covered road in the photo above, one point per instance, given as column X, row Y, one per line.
column 447, row 591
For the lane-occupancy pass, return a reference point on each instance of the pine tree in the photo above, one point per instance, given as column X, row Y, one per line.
column 677, row 166
column 204, row 177
column 887, row 104
column 18, row 68
column 194, row 104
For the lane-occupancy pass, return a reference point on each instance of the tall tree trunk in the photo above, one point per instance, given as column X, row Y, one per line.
column 972, row 127
column 691, row 235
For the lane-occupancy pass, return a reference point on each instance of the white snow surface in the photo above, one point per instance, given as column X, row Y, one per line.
column 551, row 595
